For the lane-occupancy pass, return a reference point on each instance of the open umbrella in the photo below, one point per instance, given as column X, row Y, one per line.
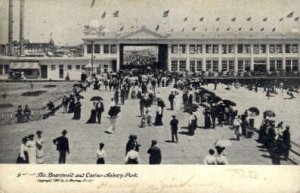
column 96, row 98
column 223, row 143
column 269, row 113
column 205, row 105
column 216, row 99
column 254, row 110
column 229, row 103
column 191, row 108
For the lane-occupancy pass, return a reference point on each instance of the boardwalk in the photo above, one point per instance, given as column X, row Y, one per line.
column 84, row 138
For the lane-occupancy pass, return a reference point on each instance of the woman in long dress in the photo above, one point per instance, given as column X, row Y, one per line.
column 39, row 148
column 101, row 154
column 92, row 118
column 23, row 155
column 31, row 148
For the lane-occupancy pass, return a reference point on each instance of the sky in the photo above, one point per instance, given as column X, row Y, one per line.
column 65, row 19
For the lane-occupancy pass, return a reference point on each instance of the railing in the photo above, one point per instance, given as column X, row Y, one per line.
column 295, row 153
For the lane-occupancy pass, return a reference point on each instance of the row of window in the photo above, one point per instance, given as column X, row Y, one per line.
column 107, row 48
column 70, row 67
column 229, row 65
column 230, row 48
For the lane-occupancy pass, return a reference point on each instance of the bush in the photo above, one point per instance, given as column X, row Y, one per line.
column 34, row 93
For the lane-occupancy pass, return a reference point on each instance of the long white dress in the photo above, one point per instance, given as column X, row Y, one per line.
column 31, row 148
column 39, row 150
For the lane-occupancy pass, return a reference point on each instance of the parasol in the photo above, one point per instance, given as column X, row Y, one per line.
column 269, row 113
column 229, row 103
column 96, row 98
column 254, row 110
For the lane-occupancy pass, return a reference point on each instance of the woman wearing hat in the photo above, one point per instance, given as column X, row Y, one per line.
column 101, row 154
column 39, row 148
column 31, row 146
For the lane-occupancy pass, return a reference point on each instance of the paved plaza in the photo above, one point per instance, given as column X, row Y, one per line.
column 85, row 138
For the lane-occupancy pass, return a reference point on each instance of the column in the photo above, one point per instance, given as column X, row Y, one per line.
column 268, row 56
column 85, row 49
column 204, row 58
column 252, row 58
column 220, row 58
column 187, row 57
column 283, row 59
column 118, row 56
column 169, row 57
column 299, row 57
column 235, row 59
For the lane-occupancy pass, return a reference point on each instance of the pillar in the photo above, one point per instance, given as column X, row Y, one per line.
column 268, row 57
column 187, row 57
column 252, row 58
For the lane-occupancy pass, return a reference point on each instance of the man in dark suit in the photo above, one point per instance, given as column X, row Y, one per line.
column 99, row 110
column 174, row 128
column 62, row 146
column 155, row 153
column 171, row 99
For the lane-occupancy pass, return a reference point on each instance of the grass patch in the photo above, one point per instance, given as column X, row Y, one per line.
column 5, row 105
column 34, row 93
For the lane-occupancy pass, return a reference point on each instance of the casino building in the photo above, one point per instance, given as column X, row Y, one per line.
column 208, row 54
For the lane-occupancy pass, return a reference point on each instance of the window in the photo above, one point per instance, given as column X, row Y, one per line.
column 199, row 65
column 98, row 70
column 77, row 67
column 182, row 65
column 53, row 67
column 231, row 49
column 224, row 65
column 192, row 65
column 208, row 49
column 240, row 48
column 83, row 67
column 215, row 65
column 295, row 65
column 272, row 48
column 182, row 49
column 69, row 67
column 278, row 48
column 89, row 48
column 215, row 49
column 256, row 49
column 174, row 49
column 208, row 65
column 295, row 48
column 174, row 65
column 106, row 49
column 231, row 65
column 224, row 49
column 6, row 68
column 247, row 48
column 240, row 65
column 272, row 65
column 105, row 68
column 279, row 64
column 288, row 48
column 263, row 48
column 192, row 49
column 247, row 65
column 113, row 49
column 97, row 48
column 1, row 69
column 198, row 49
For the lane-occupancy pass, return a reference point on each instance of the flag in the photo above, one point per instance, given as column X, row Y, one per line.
column 265, row 19
column 116, row 13
column 228, row 29
column 103, row 15
column 251, row 29
column 201, row 19
column 240, row 29
column 218, row 19
column 185, row 19
column 51, row 34
column 262, row 29
column 166, row 13
column 121, row 29
column 233, row 19
column 290, row 15
column 172, row 30
column 194, row 28
column 249, row 19
column 157, row 28
column 217, row 29
column 93, row 3
column 274, row 29
column 205, row 29
column 182, row 29
column 296, row 19
column 281, row 19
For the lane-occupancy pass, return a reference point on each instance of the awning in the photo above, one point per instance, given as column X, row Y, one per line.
column 24, row 65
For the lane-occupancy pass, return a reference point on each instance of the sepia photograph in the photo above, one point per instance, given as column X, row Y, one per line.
column 181, row 83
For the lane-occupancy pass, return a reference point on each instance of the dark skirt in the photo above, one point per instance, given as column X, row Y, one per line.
column 20, row 160
column 132, row 161
column 100, row 161
column 92, row 118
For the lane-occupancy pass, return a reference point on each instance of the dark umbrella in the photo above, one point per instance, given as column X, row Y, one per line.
column 204, row 105
column 229, row 103
column 254, row 110
column 191, row 108
column 96, row 98
column 216, row 99
column 269, row 113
